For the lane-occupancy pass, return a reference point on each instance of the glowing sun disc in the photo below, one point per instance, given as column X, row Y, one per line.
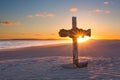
column 83, row 39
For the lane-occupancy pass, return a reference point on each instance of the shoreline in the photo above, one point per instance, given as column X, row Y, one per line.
column 30, row 52
column 46, row 45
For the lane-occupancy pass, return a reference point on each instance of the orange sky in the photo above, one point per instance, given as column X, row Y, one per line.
column 43, row 19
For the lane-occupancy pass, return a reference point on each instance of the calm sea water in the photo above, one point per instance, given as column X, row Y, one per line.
column 9, row 44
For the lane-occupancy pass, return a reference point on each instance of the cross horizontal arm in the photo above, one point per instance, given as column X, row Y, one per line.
column 74, row 33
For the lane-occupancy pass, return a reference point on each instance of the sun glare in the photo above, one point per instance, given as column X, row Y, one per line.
column 80, row 39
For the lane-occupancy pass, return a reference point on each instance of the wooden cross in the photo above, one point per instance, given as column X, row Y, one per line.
column 74, row 33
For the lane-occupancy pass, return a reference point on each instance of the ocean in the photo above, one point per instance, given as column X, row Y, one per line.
column 11, row 44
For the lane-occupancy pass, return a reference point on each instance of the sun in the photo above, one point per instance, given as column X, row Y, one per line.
column 80, row 39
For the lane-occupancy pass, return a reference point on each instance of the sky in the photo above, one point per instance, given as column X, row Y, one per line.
column 42, row 19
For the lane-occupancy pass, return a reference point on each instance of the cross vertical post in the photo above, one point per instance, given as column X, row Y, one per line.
column 74, row 23
column 75, row 44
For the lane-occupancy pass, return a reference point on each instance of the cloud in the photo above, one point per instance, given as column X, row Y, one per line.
column 50, row 15
column 73, row 9
column 100, row 11
column 41, row 15
column 29, row 16
column 107, row 11
column 106, row 3
column 44, row 15
column 9, row 23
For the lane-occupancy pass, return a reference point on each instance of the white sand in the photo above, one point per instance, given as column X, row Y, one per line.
column 44, row 63
column 50, row 68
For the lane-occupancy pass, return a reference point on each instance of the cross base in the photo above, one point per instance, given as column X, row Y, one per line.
column 74, row 66
column 82, row 64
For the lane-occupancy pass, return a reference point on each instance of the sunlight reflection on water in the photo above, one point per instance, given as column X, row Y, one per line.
column 8, row 44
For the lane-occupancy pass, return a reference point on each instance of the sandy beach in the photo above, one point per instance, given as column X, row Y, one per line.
column 45, row 62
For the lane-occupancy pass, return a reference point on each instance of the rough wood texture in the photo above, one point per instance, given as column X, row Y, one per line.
column 75, row 46
column 75, row 51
